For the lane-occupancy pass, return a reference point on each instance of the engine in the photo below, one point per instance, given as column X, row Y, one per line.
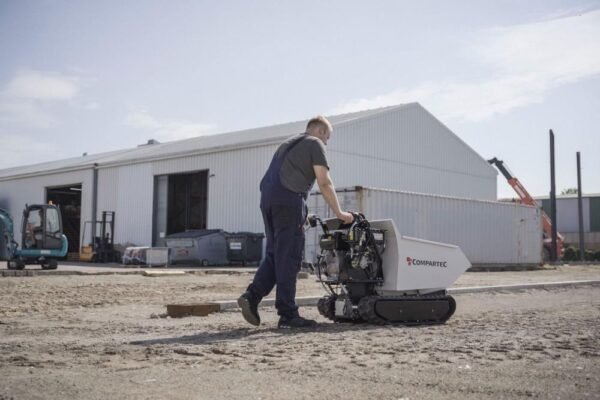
column 349, row 264
column 352, row 252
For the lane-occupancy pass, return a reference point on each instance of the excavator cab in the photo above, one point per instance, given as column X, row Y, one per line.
column 42, row 240
column 42, row 227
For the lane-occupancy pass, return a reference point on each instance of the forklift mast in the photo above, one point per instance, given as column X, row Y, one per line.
column 101, row 248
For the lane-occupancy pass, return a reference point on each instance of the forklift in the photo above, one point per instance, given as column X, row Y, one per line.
column 42, row 238
column 101, row 249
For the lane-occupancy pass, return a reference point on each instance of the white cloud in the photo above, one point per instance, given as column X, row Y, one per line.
column 27, row 100
column 91, row 106
column 141, row 120
column 29, row 84
column 527, row 61
column 167, row 130
column 21, row 150
column 25, row 114
column 554, row 51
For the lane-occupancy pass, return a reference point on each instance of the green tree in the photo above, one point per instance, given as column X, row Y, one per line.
column 569, row 191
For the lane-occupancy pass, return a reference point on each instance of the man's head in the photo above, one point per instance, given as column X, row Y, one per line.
column 320, row 128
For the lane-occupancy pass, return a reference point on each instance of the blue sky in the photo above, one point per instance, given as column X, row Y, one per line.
column 82, row 76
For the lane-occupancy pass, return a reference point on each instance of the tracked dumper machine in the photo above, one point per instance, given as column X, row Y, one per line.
column 374, row 274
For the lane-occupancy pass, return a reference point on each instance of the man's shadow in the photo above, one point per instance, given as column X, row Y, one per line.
column 254, row 334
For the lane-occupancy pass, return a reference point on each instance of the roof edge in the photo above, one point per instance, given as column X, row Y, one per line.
column 48, row 172
column 210, row 150
column 441, row 196
column 459, row 139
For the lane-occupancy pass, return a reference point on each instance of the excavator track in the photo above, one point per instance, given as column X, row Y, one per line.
column 407, row 310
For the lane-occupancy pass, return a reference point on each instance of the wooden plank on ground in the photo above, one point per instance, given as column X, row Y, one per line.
column 198, row 309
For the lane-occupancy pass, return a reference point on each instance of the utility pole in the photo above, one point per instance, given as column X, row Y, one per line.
column 580, row 209
column 553, row 255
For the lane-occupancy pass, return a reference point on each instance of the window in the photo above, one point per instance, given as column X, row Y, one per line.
column 52, row 221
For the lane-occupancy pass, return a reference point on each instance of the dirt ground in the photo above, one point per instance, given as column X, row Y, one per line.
column 98, row 337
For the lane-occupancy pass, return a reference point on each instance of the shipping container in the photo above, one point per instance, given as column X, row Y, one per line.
column 488, row 232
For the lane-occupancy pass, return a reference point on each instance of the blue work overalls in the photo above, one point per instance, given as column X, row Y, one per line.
column 284, row 213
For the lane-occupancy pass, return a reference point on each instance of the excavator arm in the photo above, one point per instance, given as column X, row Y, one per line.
column 526, row 198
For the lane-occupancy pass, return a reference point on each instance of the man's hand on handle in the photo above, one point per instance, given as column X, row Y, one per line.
column 346, row 217
column 328, row 191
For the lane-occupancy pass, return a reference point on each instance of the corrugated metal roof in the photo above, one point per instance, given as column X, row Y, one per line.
column 568, row 196
column 201, row 144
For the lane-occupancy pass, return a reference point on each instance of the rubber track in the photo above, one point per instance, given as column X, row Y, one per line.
column 326, row 307
column 366, row 309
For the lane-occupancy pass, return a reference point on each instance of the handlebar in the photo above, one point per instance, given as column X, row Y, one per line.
column 314, row 220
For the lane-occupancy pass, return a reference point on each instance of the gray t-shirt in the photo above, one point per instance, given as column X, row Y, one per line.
column 297, row 173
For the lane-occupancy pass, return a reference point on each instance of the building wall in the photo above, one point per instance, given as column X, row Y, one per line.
column 14, row 194
column 567, row 214
column 409, row 150
column 591, row 240
column 383, row 160
column 233, row 197
column 127, row 190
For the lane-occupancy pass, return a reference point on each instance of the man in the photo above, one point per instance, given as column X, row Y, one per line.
column 284, row 189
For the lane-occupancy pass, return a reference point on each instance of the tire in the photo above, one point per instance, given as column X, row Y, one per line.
column 16, row 265
column 52, row 264
column 4, row 250
column 204, row 263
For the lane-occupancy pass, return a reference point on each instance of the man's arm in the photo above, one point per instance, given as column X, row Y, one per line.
column 328, row 191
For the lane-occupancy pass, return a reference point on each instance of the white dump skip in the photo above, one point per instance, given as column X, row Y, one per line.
column 415, row 264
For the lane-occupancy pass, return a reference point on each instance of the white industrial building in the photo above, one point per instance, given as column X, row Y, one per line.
column 212, row 181
column 567, row 218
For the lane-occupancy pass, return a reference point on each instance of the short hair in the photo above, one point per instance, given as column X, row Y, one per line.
column 319, row 120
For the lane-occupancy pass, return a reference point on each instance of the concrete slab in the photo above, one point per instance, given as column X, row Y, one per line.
column 79, row 268
column 521, row 286
column 163, row 273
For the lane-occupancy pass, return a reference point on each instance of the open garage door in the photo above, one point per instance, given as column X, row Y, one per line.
column 69, row 200
column 180, row 204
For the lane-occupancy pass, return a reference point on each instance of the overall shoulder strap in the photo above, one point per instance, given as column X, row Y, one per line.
column 292, row 145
